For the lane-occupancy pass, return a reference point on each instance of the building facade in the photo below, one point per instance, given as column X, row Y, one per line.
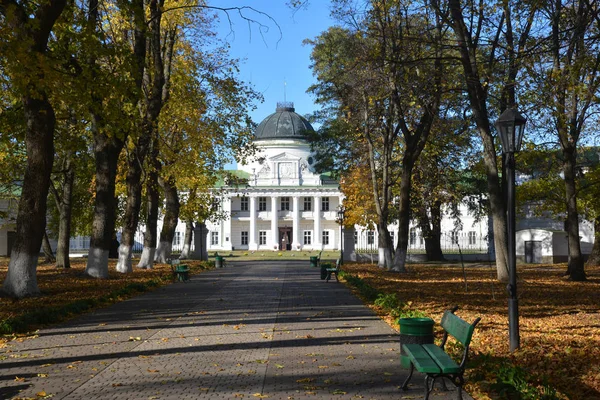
column 278, row 201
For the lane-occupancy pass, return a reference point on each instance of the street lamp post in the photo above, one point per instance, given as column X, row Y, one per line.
column 511, row 126
column 340, row 213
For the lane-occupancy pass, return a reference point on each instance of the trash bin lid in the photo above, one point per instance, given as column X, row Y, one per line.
column 416, row 326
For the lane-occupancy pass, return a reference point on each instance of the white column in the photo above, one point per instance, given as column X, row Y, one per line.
column 226, row 238
column 317, row 229
column 296, row 223
column 252, row 245
column 339, row 233
column 274, row 227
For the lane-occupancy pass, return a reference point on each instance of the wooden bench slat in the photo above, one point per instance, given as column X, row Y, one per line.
column 445, row 362
column 460, row 329
column 421, row 359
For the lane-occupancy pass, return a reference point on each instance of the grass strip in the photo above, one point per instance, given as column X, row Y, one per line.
column 388, row 303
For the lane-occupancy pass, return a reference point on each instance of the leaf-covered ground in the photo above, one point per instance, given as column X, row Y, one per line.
column 559, row 322
column 69, row 291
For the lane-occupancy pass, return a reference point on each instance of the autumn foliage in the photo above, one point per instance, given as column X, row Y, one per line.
column 559, row 323
column 68, row 292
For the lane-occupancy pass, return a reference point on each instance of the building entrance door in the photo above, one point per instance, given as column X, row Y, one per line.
column 285, row 238
column 533, row 252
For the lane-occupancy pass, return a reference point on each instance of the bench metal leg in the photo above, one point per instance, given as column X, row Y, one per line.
column 429, row 383
column 459, row 384
column 405, row 384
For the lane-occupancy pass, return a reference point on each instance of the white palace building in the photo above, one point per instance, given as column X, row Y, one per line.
column 281, row 202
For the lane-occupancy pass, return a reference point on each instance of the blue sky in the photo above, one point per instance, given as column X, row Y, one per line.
column 275, row 57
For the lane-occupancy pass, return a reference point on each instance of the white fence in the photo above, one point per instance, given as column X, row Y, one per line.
column 81, row 244
column 451, row 242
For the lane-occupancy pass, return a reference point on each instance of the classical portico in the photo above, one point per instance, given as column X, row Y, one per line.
column 278, row 201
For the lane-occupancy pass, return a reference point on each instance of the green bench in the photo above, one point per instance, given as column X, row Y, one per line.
column 334, row 271
column 434, row 362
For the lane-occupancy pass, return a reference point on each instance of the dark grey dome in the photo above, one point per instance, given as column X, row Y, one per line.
column 284, row 123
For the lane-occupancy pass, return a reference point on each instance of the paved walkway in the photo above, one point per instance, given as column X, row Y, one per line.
column 257, row 330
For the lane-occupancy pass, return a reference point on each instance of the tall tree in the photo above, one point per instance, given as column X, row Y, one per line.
column 25, row 46
column 150, row 105
column 479, row 34
column 105, row 110
column 375, row 72
column 572, row 82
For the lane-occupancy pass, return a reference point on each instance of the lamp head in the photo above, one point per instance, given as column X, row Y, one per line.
column 511, row 126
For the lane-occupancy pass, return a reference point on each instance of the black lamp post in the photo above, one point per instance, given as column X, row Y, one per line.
column 511, row 126
column 340, row 213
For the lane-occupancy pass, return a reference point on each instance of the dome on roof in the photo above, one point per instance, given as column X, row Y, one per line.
column 284, row 123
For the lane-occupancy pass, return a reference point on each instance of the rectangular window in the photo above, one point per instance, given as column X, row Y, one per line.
column 370, row 237
column 244, row 238
column 454, row 237
column 262, row 204
column 472, row 238
column 262, row 237
column 244, row 204
column 413, row 237
column 325, row 237
column 308, row 204
column 325, row 204
column 214, row 238
column 285, row 204
column 177, row 239
column 355, row 238
column 307, row 237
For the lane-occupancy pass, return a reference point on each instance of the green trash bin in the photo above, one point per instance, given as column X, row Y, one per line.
column 218, row 261
column 414, row 331
column 314, row 260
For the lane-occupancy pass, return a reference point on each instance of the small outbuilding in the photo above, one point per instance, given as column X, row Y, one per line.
column 539, row 246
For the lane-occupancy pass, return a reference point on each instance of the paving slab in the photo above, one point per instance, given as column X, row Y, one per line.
column 258, row 329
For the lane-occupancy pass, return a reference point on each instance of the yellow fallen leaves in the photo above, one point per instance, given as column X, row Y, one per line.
column 559, row 320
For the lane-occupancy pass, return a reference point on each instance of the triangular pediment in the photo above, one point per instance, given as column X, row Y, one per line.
column 284, row 157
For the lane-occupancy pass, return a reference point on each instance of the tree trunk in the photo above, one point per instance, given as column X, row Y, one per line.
column 594, row 258
column 48, row 254
column 64, row 206
column 170, row 220
column 386, row 246
column 147, row 258
column 153, row 196
column 131, row 219
column 576, row 269
column 187, row 241
column 432, row 231
column 21, row 280
column 106, row 151
column 399, row 264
